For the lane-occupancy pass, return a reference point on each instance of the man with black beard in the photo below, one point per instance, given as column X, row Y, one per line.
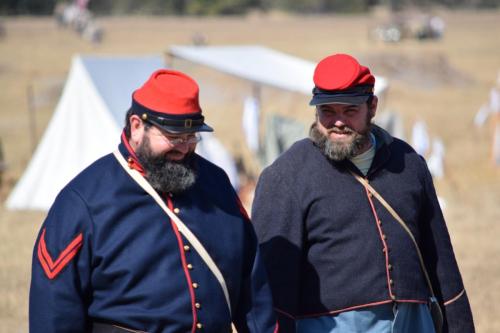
column 351, row 231
column 165, row 175
column 151, row 238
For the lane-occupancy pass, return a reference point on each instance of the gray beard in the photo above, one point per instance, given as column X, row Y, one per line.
column 163, row 174
column 339, row 151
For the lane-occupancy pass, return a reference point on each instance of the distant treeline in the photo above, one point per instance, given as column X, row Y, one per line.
column 230, row 7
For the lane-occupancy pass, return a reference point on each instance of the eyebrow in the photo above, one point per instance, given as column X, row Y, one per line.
column 325, row 108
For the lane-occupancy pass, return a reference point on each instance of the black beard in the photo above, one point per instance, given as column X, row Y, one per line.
column 340, row 151
column 163, row 174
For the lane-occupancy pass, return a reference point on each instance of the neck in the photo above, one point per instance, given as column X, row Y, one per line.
column 366, row 145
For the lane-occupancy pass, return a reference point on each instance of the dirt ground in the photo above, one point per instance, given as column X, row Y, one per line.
column 442, row 82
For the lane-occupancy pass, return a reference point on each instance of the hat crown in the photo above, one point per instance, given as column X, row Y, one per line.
column 169, row 92
column 341, row 72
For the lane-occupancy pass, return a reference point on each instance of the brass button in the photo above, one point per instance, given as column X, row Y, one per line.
column 144, row 116
column 379, row 222
column 195, row 285
column 393, row 297
column 186, row 248
column 189, row 266
column 176, row 210
column 389, row 267
column 197, row 305
column 384, row 250
column 199, row 326
column 370, row 194
column 384, row 237
column 391, row 282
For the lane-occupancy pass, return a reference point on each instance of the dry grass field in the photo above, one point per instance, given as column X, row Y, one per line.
column 442, row 82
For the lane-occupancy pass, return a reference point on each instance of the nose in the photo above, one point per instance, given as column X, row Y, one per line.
column 336, row 121
column 182, row 147
column 339, row 123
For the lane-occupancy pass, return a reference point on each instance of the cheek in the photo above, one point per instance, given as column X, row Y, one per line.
column 325, row 122
column 160, row 146
column 321, row 128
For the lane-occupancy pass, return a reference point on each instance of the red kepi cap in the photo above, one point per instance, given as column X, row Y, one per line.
column 340, row 78
column 169, row 100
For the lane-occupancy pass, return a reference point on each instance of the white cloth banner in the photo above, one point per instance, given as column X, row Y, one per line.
column 250, row 122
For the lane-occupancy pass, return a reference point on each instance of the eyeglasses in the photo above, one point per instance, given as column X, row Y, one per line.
column 175, row 140
column 188, row 140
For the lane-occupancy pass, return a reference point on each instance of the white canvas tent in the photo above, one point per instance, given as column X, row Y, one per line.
column 263, row 67
column 260, row 65
column 86, row 124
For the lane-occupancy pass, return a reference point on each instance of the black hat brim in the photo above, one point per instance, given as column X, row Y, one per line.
column 339, row 99
column 181, row 129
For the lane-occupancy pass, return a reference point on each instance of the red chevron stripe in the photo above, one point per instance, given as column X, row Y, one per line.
column 51, row 268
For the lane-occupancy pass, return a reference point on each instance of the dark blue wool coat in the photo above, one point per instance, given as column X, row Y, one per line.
column 108, row 253
column 330, row 247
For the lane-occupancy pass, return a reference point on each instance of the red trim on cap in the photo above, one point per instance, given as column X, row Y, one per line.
column 180, row 243
column 51, row 268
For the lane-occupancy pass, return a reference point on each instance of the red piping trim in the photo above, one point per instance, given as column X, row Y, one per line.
column 383, row 242
column 51, row 268
column 354, row 308
column 455, row 298
column 284, row 313
column 276, row 328
column 184, row 266
column 135, row 161
column 243, row 211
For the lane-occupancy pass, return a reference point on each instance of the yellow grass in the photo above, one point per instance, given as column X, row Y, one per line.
column 35, row 52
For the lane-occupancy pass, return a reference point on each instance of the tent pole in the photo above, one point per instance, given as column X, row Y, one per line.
column 169, row 60
column 495, row 146
column 31, row 116
column 257, row 95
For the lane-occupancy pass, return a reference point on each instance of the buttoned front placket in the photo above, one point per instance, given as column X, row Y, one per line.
column 385, row 248
column 188, row 267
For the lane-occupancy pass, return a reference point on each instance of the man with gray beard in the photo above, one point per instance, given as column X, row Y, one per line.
column 350, row 228
column 151, row 238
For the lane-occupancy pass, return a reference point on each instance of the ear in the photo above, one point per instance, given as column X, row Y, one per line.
column 372, row 107
column 136, row 130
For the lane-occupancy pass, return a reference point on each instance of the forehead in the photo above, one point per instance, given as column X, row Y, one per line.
column 338, row 107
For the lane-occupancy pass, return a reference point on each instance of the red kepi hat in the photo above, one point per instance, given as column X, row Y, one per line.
column 340, row 78
column 169, row 100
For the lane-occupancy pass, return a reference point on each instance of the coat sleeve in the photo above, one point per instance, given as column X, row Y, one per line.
column 254, row 312
column 279, row 222
column 441, row 263
column 59, row 292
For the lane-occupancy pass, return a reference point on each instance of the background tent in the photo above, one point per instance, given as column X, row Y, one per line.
column 259, row 64
column 86, row 125
column 262, row 66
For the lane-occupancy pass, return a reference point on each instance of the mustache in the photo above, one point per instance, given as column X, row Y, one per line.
column 341, row 130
